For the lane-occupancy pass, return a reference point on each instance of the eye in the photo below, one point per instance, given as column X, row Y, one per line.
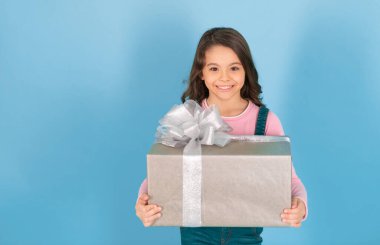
column 213, row 69
column 235, row 68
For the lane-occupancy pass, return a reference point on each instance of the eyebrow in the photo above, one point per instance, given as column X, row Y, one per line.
column 234, row 63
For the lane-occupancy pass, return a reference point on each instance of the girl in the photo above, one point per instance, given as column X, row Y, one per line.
column 223, row 74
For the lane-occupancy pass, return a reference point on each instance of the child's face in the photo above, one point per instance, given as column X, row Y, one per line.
column 223, row 73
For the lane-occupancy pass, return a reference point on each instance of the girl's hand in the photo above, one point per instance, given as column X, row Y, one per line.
column 295, row 214
column 147, row 213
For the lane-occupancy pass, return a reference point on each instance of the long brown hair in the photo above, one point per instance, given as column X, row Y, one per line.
column 232, row 39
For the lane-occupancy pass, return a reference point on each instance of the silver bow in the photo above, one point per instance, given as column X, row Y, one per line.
column 189, row 122
column 189, row 125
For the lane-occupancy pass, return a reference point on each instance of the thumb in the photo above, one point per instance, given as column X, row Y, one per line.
column 143, row 199
column 294, row 203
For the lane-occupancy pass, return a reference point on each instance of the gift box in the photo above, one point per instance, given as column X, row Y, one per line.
column 246, row 183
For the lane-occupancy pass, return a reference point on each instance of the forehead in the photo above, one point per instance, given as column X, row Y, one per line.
column 220, row 55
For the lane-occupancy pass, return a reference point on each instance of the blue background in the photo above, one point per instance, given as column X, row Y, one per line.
column 83, row 84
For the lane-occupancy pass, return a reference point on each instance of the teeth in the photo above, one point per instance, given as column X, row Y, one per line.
column 224, row 87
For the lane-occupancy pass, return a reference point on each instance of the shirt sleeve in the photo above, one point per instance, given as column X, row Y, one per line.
column 143, row 187
column 274, row 128
column 298, row 190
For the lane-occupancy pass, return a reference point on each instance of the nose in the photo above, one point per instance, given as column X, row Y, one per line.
column 224, row 76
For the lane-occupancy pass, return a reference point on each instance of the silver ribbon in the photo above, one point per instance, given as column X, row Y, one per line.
column 190, row 126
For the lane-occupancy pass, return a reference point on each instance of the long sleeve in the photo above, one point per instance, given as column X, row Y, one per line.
column 143, row 187
column 298, row 189
column 274, row 128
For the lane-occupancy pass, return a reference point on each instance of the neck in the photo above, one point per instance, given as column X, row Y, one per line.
column 229, row 108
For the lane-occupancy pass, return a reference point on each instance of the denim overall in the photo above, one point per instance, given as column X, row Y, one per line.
column 227, row 235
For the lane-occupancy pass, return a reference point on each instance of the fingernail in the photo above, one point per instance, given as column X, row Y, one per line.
column 282, row 216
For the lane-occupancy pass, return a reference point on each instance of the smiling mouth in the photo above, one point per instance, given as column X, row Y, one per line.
column 224, row 87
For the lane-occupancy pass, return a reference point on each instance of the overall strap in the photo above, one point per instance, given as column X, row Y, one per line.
column 261, row 120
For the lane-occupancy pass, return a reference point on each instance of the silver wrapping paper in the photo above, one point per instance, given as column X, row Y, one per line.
column 244, row 183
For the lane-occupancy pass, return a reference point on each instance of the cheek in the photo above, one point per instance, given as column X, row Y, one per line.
column 242, row 77
column 239, row 77
column 209, row 77
column 207, row 83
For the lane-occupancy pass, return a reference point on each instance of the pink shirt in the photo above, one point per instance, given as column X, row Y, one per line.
column 245, row 123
